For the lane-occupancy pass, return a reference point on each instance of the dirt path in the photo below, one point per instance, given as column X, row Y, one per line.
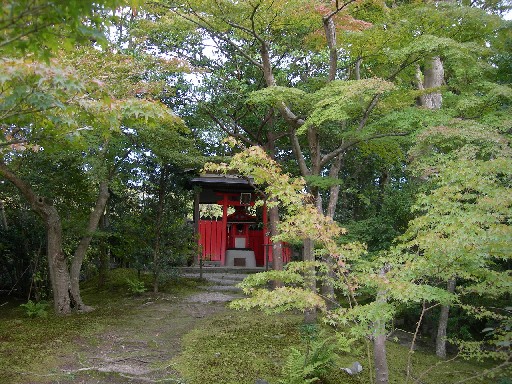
column 141, row 348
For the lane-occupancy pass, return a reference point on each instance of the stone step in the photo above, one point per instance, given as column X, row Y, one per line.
column 220, row 288
column 228, row 279
column 222, row 270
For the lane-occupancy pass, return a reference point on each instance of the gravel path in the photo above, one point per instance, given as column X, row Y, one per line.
column 141, row 350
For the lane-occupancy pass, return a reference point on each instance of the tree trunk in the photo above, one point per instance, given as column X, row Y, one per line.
column 357, row 69
column 380, row 359
column 334, row 191
column 433, row 77
column 330, row 34
column 310, row 315
column 379, row 342
column 79, row 255
column 273, row 220
column 277, row 246
column 57, row 265
column 4, row 217
column 443, row 324
column 158, row 229
column 104, row 267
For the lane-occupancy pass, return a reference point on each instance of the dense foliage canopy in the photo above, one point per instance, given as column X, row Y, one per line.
column 380, row 132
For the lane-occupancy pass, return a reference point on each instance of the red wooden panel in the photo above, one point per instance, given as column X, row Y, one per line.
column 212, row 233
column 209, row 239
column 256, row 244
column 287, row 253
column 216, row 240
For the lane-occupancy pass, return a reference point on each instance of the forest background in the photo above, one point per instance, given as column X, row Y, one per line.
column 395, row 116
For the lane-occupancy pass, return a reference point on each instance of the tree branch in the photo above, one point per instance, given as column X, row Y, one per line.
column 338, row 9
column 211, row 31
column 298, row 153
column 331, row 155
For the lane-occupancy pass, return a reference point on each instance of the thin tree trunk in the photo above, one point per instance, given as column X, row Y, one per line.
column 4, row 217
column 273, row 220
column 379, row 342
column 357, row 70
column 380, row 359
column 79, row 255
column 277, row 246
column 104, row 267
column 334, row 191
column 310, row 315
column 443, row 324
column 158, row 229
column 330, row 34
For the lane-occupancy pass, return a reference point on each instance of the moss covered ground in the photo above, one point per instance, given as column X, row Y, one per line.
column 241, row 347
column 165, row 338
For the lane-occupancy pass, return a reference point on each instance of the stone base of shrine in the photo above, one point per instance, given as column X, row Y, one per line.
column 240, row 258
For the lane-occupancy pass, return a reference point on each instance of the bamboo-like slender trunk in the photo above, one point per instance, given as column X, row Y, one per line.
column 4, row 217
column 158, row 229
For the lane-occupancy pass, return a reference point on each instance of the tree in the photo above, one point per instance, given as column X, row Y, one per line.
column 462, row 230
column 56, row 115
column 42, row 27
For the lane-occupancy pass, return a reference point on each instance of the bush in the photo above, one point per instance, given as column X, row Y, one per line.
column 33, row 309
column 135, row 286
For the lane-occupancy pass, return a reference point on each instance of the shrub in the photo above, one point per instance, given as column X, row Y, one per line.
column 135, row 286
column 33, row 309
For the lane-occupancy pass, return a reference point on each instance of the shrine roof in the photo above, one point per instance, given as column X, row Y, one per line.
column 217, row 181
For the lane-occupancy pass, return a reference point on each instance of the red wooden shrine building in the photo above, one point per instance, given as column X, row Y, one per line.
column 237, row 238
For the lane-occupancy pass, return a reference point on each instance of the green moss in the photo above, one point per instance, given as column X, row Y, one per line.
column 230, row 347
column 238, row 347
column 117, row 281
column 33, row 344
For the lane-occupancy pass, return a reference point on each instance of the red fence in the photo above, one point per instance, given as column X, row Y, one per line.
column 212, row 237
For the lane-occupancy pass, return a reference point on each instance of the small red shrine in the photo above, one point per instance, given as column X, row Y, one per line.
column 236, row 239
